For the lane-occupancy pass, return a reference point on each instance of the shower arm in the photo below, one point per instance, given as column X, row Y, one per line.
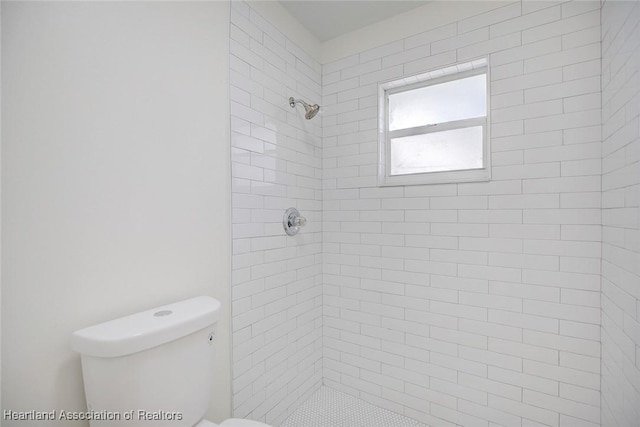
column 293, row 102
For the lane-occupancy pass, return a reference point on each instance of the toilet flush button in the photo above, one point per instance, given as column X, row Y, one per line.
column 162, row 313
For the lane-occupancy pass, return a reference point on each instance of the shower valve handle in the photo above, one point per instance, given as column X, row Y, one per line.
column 292, row 221
column 300, row 221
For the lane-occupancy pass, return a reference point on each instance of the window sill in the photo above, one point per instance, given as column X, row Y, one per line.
column 449, row 177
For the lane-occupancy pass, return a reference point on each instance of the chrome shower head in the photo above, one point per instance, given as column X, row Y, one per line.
column 310, row 110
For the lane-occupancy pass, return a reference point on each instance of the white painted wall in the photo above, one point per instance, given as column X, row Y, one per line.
column 620, row 213
column 0, row 207
column 276, row 164
column 478, row 303
column 115, row 180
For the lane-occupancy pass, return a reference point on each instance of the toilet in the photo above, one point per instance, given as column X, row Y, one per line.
column 153, row 368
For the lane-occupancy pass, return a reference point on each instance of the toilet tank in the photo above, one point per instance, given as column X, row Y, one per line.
column 153, row 368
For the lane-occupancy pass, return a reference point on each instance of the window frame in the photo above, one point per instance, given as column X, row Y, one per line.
column 435, row 77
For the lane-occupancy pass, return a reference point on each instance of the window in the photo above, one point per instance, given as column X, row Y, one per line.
column 434, row 127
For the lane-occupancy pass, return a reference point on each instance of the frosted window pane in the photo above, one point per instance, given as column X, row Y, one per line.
column 455, row 100
column 438, row 151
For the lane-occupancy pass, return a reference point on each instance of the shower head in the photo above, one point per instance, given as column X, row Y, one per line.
column 311, row 110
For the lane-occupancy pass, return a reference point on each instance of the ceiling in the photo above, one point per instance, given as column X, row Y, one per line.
column 328, row 19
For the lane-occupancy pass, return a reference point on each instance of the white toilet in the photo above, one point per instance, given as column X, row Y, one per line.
column 152, row 369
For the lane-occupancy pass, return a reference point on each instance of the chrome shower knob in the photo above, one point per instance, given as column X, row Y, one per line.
column 292, row 221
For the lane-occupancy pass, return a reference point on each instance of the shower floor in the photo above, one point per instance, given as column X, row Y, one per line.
column 331, row 408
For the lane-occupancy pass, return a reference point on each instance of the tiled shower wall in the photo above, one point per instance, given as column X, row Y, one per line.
column 473, row 303
column 276, row 164
column 620, row 213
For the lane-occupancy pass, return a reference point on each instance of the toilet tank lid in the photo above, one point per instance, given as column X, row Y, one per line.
column 150, row 328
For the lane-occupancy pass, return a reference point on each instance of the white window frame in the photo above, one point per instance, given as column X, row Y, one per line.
column 456, row 72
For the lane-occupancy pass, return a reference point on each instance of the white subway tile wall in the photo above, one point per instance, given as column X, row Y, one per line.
column 470, row 304
column 479, row 303
column 276, row 164
column 620, row 214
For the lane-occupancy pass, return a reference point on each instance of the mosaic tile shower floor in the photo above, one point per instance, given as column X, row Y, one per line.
column 331, row 408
